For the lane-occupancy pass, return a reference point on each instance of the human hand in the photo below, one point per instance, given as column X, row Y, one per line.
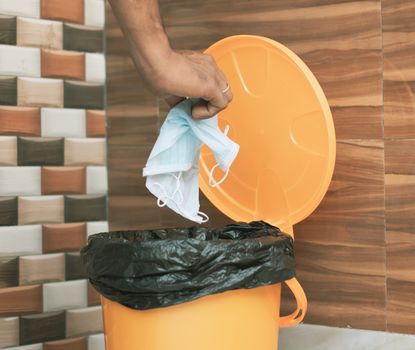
column 192, row 74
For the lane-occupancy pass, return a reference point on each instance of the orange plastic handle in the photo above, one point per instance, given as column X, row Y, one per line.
column 298, row 315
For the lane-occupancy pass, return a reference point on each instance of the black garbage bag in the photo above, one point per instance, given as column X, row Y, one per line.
column 157, row 268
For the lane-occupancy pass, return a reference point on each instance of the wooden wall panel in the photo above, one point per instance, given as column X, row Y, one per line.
column 355, row 252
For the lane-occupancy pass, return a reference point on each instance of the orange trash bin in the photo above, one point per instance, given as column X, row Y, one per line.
column 282, row 121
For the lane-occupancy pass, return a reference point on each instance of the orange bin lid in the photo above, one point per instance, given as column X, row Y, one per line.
column 281, row 119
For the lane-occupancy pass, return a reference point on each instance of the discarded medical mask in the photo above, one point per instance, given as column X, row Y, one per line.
column 172, row 168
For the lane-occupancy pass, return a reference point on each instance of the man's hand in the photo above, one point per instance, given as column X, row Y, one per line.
column 177, row 74
column 193, row 74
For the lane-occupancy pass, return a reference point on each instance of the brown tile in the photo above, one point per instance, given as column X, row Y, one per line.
column 20, row 121
column 133, row 131
column 93, row 296
column 82, row 38
column 63, row 180
column 84, row 95
column 72, row 11
column 63, row 237
column 133, row 212
column 74, row 269
column 41, row 209
column 42, row 327
column 85, row 208
column 353, row 208
column 125, row 87
column 400, row 207
column 8, row 211
column 9, row 271
column 400, row 157
column 8, row 30
column 39, row 33
column 20, row 300
column 9, row 332
column 84, row 321
column 399, row 85
column 79, row 343
column 63, row 64
column 400, row 306
column 8, row 91
column 95, row 123
column 41, row 92
column 34, row 269
column 125, row 167
column 40, row 151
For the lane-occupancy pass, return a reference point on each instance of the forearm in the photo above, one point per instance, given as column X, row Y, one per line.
column 147, row 41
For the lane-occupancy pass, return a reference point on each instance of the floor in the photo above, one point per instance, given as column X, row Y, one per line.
column 311, row 337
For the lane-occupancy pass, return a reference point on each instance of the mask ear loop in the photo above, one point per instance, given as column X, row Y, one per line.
column 162, row 200
column 212, row 182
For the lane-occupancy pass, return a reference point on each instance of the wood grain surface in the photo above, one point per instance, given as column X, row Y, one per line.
column 62, row 64
column 66, row 11
column 7, row 30
column 56, row 180
column 20, row 300
column 63, row 237
column 42, row 327
column 19, row 121
column 355, row 252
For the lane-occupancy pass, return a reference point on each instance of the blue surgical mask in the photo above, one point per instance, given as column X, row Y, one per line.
column 172, row 168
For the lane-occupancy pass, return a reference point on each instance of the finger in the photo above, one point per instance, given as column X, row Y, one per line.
column 204, row 109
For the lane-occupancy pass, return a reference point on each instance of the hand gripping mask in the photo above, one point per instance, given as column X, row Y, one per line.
column 172, row 168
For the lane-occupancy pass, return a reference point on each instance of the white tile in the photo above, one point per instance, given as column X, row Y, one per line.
column 95, row 67
column 8, row 150
column 84, row 321
column 96, row 179
column 64, row 295
column 20, row 240
column 27, row 8
column 63, row 122
column 96, row 227
column 38, row 346
column 96, row 342
column 20, row 181
column 95, row 13
column 21, row 61
column 312, row 337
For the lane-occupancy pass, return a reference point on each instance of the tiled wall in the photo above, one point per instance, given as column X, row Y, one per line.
column 53, row 175
column 356, row 251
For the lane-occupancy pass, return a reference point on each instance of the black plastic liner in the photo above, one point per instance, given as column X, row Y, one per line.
column 157, row 268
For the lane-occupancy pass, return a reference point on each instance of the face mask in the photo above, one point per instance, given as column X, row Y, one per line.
column 172, row 168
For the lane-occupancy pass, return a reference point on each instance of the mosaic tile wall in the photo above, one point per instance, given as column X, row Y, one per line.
column 53, row 175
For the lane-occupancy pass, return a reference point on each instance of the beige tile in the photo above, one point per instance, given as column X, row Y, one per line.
column 39, row 33
column 8, row 150
column 41, row 268
column 41, row 209
column 85, row 151
column 84, row 321
column 9, row 331
column 39, row 92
